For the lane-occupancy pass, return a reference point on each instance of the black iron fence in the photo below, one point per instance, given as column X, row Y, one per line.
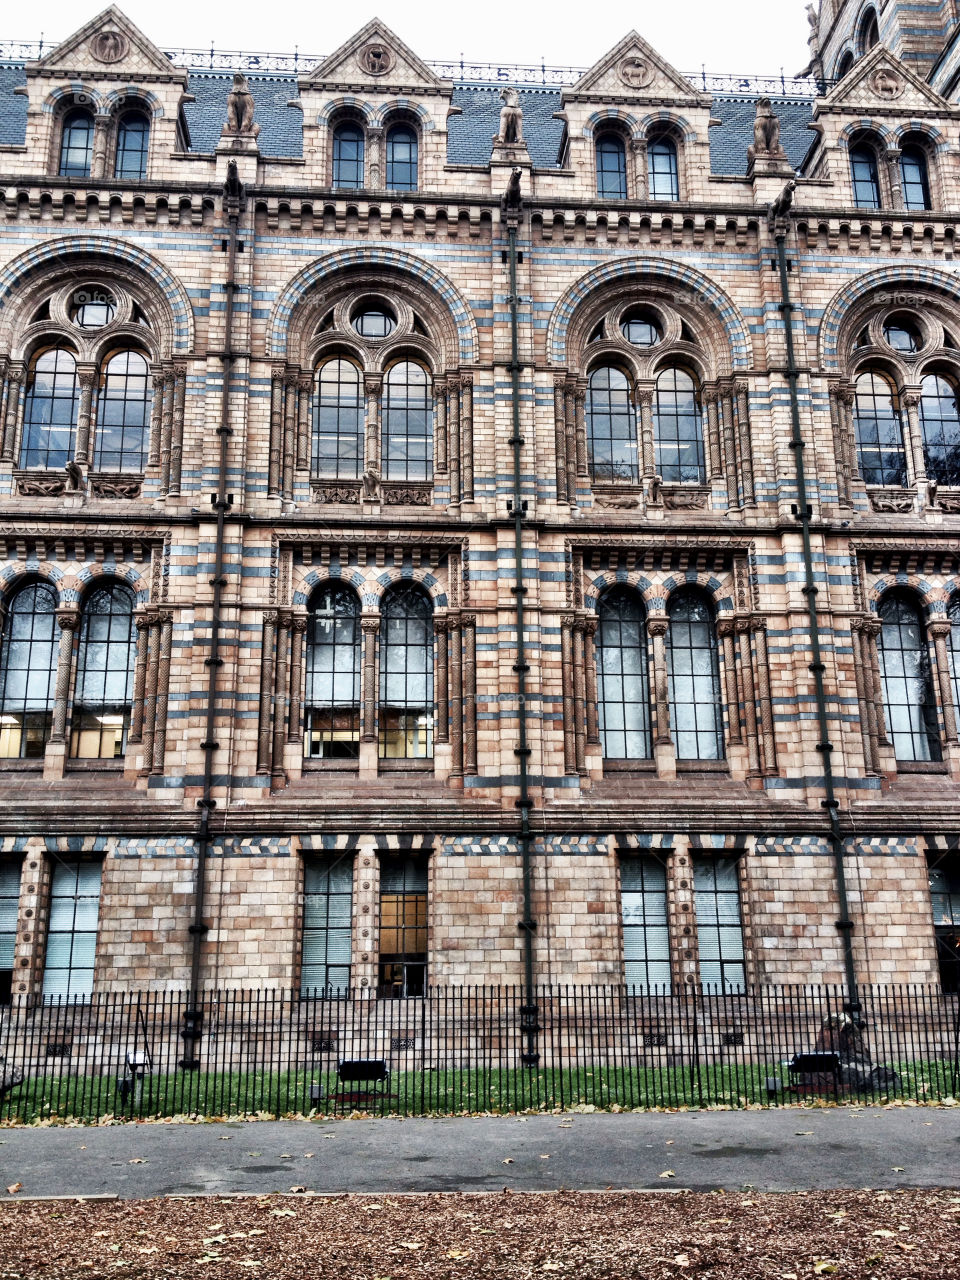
column 471, row 1050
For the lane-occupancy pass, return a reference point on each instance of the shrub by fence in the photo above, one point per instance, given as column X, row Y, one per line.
column 469, row 1050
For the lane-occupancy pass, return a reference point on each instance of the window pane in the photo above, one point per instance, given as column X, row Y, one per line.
column 28, row 667
column 133, row 137
column 866, row 181
column 50, row 411
column 403, row 927
column 907, row 683
column 332, row 704
column 338, row 421
column 663, row 170
column 719, row 927
column 646, row 948
column 72, row 930
column 940, row 425
column 693, row 671
column 76, row 145
column 611, row 426
column 406, row 675
column 402, row 159
column 678, row 429
column 327, row 920
column 105, row 666
column 123, row 414
column 9, row 908
column 348, row 156
column 945, row 900
column 611, row 168
column 407, row 423
column 879, row 432
column 913, row 169
column 623, row 696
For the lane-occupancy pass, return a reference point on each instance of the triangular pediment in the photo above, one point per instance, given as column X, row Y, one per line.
column 634, row 71
column 881, row 80
column 109, row 44
column 375, row 56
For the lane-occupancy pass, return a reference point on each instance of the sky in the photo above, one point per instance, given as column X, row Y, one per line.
column 757, row 37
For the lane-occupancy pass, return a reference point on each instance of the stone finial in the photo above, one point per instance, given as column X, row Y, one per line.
column 239, row 122
column 766, row 134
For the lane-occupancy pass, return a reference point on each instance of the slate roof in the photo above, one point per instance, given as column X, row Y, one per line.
column 469, row 134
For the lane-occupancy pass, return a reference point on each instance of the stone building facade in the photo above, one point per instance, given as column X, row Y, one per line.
column 263, row 719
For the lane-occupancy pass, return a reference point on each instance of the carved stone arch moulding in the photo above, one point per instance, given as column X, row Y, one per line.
column 27, row 280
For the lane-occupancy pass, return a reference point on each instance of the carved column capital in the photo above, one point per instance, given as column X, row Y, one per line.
column 284, row 619
column 742, row 626
column 940, row 627
column 86, row 374
column 372, row 383
column 468, row 620
column 270, row 615
column 658, row 626
column 846, row 396
column 910, row 397
column 370, row 626
column 466, row 378
column 726, row 626
column 644, row 393
column 16, row 373
column 590, row 624
column 299, row 623
column 872, row 626
column 567, row 620
column 68, row 618
column 164, row 616
column 742, row 388
column 758, row 624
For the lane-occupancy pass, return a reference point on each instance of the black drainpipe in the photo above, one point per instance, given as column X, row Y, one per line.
column 193, row 1015
column 779, row 225
column 512, row 212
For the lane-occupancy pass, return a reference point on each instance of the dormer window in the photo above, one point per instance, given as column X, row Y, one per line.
column 76, row 144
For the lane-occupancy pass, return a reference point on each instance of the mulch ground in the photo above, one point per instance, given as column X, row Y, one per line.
column 849, row 1235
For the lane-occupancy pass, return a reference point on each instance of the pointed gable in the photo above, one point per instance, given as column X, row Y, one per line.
column 109, row 45
column 634, row 72
column 375, row 56
column 880, row 81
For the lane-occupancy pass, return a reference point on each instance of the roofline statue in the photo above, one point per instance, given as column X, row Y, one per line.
column 511, row 120
column 239, row 122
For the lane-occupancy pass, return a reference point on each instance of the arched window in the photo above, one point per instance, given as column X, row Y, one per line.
column 916, row 184
column 348, row 156
column 105, row 663
column 402, row 158
column 693, row 669
column 678, row 429
column 407, row 423
column 611, row 167
column 869, row 31
column 879, row 431
column 844, row 65
column 338, row 420
column 50, row 410
column 123, row 413
column 76, row 144
column 28, row 669
column 907, row 684
column 663, row 170
column 133, row 140
column 332, row 704
column 866, row 177
column 940, row 427
column 611, row 426
column 406, row 674
column 623, row 689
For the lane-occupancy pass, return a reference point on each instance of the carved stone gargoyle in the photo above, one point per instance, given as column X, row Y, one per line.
column 239, row 122
column 766, row 134
column 511, row 120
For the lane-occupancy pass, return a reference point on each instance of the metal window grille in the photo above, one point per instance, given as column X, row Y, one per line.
column 907, row 685
column 9, row 910
column 50, row 411
column 693, row 671
column 646, row 943
column 403, row 927
column 678, row 429
column 940, row 427
column 327, row 917
column 623, row 685
column 338, row 421
column 407, row 423
column 348, row 157
column 402, row 159
column 945, row 900
column 916, row 184
column 105, row 664
column 663, row 170
column 133, row 140
column 406, row 675
column 611, row 426
column 866, row 178
column 28, row 669
column 611, row 167
column 76, row 145
column 879, row 431
column 332, row 704
column 72, row 931
column 123, row 414
column 716, row 885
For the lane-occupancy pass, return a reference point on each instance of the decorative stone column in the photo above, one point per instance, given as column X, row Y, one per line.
column 101, row 134
column 151, row 622
column 466, row 435
column 840, row 450
column 372, row 388
column 369, row 626
column 166, row 430
column 156, row 416
column 579, row 401
column 570, row 439
column 298, row 629
column 590, row 624
column 560, row 435
column 711, row 400
column 892, row 159
column 376, row 175
column 579, row 696
column 916, row 462
column 748, row 693
column 846, row 399
column 726, row 630
column 264, row 737
column 281, row 695
column 441, row 630
column 86, row 377
column 16, row 377
column 277, row 376
column 135, row 736
column 729, row 446
column 468, row 632
column 165, row 623
column 648, row 455
column 440, row 426
column 940, row 630
column 304, row 387
column 453, row 434
column 456, row 695
column 566, row 681
column 638, row 149
column 768, row 740
column 744, row 441
column 68, row 619
column 290, row 417
column 664, row 752
column 176, row 430
column 861, row 670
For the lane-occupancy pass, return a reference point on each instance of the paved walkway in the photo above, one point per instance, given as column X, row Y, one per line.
column 766, row 1150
